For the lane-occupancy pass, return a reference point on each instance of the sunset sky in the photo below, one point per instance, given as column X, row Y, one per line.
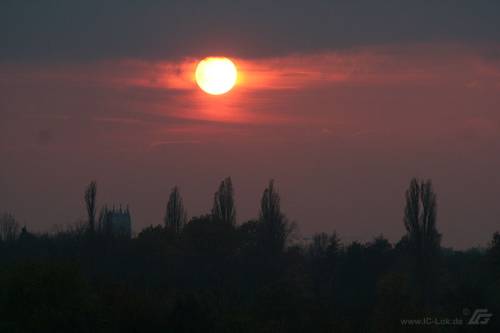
column 341, row 103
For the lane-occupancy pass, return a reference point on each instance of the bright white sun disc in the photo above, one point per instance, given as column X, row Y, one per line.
column 216, row 75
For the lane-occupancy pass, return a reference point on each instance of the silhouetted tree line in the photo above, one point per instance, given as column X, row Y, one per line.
column 210, row 274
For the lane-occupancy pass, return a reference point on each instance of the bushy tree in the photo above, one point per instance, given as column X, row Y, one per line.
column 275, row 228
column 90, row 204
column 323, row 253
column 9, row 228
column 423, row 237
column 493, row 256
column 224, row 209
column 104, row 226
column 324, row 245
column 176, row 215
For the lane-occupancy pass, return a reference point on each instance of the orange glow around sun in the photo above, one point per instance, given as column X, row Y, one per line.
column 216, row 75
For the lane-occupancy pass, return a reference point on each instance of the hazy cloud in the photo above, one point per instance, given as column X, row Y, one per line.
column 86, row 30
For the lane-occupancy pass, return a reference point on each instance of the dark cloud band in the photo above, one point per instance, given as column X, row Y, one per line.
column 87, row 30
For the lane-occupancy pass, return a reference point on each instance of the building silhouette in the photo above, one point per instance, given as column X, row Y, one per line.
column 115, row 223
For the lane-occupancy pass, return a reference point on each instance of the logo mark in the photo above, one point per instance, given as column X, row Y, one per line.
column 480, row 317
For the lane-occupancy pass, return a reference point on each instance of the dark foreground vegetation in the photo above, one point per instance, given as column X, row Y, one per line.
column 209, row 274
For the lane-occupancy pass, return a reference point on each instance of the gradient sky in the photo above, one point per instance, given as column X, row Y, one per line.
column 341, row 103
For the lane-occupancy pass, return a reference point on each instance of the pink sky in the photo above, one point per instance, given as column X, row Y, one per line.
column 341, row 132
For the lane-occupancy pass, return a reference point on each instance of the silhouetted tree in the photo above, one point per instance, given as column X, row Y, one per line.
column 274, row 224
column 9, row 228
column 175, row 216
column 423, row 237
column 25, row 235
column 216, row 277
column 324, row 245
column 90, row 203
column 493, row 256
column 248, row 235
column 323, row 256
column 493, row 276
column 204, row 234
column 104, row 226
column 379, row 253
column 224, row 209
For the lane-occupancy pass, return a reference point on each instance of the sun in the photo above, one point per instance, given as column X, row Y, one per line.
column 216, row 75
